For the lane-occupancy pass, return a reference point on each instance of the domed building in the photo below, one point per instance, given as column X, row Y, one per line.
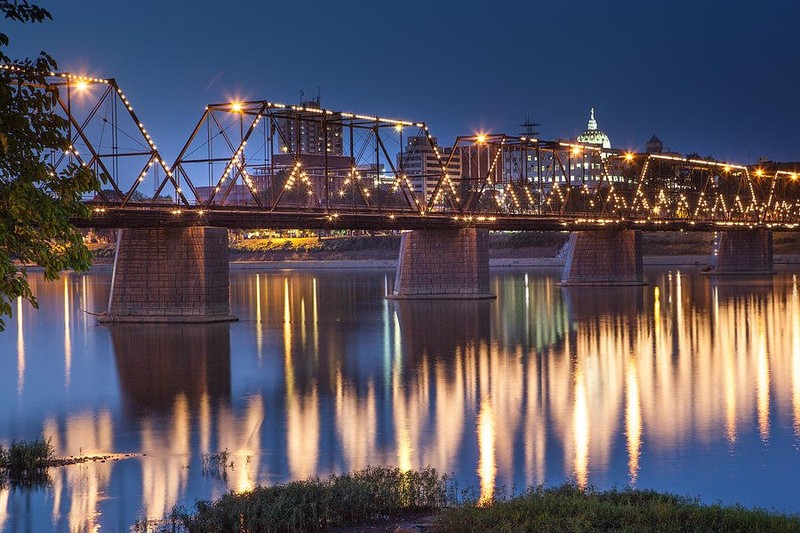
column 589, row 172
column 592, row 135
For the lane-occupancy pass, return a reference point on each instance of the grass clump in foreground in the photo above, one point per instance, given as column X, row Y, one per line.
column 568, row 508
column 26, row 463
column 313, row 504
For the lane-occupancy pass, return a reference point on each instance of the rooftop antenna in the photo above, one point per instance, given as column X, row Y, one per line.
column 319, row 96
column 302, row 96
column 529, row 128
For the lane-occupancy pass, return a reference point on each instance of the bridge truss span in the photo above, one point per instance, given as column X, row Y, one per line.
column 302, row 158
column 266, row 164
column 104, row 133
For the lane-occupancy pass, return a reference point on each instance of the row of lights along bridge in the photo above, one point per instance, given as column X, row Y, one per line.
column 267, row 156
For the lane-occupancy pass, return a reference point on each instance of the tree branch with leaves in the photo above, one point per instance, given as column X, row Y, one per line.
column 37, row 200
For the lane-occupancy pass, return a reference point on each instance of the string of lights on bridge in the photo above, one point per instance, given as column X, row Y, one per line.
column 555, row 194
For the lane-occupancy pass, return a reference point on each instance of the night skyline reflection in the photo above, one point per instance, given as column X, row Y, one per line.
column 689, row 384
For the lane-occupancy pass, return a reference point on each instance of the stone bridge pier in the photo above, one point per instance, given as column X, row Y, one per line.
column 604, row 257
column 742, row 252
column 443, row 264
column 170, row 275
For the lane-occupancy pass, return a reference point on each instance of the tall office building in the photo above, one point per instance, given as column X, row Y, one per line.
column 419, row 162
column 315, row 142
column 302, row 132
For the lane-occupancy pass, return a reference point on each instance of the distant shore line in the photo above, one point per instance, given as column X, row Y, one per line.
column 495, row 263
column 698, row 260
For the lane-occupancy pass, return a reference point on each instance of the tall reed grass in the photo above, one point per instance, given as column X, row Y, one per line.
column 314, row 504
column 26, row 463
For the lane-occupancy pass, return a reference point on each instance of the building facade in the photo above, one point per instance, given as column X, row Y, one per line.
column 305, row 132
column 420, row 164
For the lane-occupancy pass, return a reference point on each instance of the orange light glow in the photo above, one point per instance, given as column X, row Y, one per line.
column 236, row 107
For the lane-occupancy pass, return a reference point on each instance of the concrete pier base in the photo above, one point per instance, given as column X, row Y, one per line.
column 170, row 275
column 443, row 264
column 742, row 252
column 605, row 257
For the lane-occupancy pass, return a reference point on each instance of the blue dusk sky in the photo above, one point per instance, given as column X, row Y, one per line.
column 717, row 78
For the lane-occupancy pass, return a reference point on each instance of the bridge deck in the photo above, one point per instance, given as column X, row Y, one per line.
column 243, row 218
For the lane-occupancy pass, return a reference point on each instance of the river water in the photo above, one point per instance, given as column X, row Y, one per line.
column 690, row 384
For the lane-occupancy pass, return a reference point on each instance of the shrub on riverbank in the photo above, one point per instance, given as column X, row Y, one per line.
column 568, row 508
column 312, row 505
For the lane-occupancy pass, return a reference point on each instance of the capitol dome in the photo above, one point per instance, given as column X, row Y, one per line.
column 594, row 136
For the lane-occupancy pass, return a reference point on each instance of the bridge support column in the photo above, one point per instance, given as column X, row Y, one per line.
column 443, row 264
column 170, row 275
column 605, row 257
column 742, row 252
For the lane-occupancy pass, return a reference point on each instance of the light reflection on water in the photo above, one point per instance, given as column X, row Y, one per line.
column 690, row 384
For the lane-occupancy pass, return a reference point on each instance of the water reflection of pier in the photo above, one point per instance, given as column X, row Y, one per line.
column 175, row 382
column 158, row 363
column 438, row 330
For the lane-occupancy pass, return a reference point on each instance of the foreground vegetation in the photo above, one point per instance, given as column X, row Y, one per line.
column 568, row 508
column 26, row 463
column 363, row 496
column 312, row 505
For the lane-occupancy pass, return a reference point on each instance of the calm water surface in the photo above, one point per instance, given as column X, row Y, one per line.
column 690, row 385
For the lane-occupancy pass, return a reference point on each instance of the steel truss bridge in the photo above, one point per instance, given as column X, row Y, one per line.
column 263, row 164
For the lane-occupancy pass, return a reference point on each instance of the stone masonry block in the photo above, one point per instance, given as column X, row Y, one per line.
column 171, row 272
column 604, row 257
